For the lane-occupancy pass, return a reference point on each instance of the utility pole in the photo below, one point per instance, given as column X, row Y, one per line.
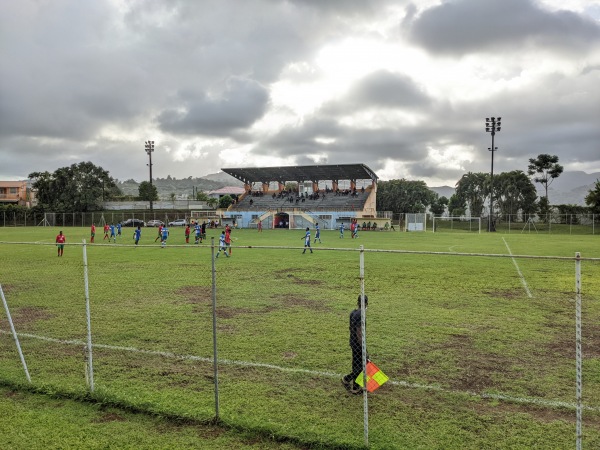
column 492, row 125
column 149, row 146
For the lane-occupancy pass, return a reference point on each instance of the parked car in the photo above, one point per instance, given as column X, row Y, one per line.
column 133, row 223
column 154, row 223
column 178, row 223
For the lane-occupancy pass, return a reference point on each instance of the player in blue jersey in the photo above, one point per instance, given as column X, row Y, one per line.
column 119, row 229
column 342, row 231
column 197, row 233
column 137, row 234
column 306, row 241
column 317, row 233
column 222, row 245
column 113, row 236
column 164, row 236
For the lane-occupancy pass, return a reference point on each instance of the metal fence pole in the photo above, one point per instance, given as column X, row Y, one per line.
column 363, row 320
column 14, row 333
column 89, row 359
column 214, row 320
column 578, row 362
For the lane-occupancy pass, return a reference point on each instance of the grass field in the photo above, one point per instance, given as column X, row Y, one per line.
column 480, row 350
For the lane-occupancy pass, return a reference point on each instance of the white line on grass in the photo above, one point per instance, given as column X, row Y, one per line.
column 518, row 270
column 232, row 362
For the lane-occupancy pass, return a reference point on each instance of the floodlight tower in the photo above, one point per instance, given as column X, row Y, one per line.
column 149, row 146
column 492, row 125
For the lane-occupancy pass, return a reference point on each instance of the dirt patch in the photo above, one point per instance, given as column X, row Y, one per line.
column 563, row 344
column 227, row 312
column 31, row 314
column 109, row 417
column 196, row 294
column 9, row 289
column 506, row 293
column 294, row 301
column 292, row 277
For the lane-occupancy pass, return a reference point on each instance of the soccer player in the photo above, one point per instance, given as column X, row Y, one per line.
column 119, row 229
column 349, row 381
column 317, row 233
column 187, row 233
column 198, row 233
column 92, row 233
column 203, row 236
column 228, row 238
column 222, row 245
column 106, row 228
column 160, row 228
column 306, row 238
column 259, row 226
column 113, row 236
column 342, row 231
column 60, row 242
column 137, row 234
column 165, row 235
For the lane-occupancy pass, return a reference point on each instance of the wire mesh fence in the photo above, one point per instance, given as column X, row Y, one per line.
column 447, row 329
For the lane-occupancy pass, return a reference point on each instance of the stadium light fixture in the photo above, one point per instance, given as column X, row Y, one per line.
column 492, row 125
column 149, row 147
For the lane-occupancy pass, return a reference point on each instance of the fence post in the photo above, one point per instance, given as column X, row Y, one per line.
column 89, row 359
column 214, row 320
column 578, row 355
column 363, row 319
column 14, row 333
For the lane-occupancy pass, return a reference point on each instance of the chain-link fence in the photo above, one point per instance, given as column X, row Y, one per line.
column 451, row 331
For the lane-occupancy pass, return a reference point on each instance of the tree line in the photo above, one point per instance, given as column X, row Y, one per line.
column 85, row 187
column 512, row 192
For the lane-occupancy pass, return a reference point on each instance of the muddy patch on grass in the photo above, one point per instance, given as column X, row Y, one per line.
column 109, row 417
column 27, row 315
column 196, row 294
column 292, row 277
column 296, row 301
column 506, row 293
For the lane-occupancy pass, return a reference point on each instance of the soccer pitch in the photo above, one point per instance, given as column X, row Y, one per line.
column 480, row 350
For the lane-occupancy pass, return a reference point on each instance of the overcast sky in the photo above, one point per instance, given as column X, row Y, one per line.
column 401, row 86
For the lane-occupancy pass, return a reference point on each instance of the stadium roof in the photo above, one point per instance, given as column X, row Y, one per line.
column 303, row 173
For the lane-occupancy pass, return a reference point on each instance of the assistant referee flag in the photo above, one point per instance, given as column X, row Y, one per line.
column 375, row 377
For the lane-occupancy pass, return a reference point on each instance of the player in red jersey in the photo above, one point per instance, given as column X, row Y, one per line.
column 60, row 242
column 93, row 233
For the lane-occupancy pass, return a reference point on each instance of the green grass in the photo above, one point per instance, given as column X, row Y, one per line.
column 475, row 362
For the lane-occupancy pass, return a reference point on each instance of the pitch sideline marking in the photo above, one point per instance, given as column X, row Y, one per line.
column 232, row 362
column 518, row 270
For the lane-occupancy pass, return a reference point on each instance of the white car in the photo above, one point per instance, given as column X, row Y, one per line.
column 178, row 223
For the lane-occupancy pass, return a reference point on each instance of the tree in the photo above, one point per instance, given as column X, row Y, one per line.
column 472, row 189
column 548, row 169
column 593, row 198
column 403, row 196
column 147, row 191
column 456, row 206
column 80, row 187
column 225, row 201
column 514, row 192
column 212, row 202
column 202, row 196
column 438, row 207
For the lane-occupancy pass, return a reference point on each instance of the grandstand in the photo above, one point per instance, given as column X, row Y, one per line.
column 318, row 196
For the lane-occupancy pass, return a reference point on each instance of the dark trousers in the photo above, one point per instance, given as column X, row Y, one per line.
column 356, row 365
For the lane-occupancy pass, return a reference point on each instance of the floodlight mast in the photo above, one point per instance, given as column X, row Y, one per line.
column 492, row 125
column 149, row 146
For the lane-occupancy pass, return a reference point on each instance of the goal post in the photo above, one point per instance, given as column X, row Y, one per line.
column 460, row 224
column 416, row 222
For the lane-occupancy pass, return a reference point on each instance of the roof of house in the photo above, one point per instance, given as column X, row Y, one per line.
column 228, row 190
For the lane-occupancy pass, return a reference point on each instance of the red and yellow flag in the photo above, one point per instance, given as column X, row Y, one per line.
column 375, row 377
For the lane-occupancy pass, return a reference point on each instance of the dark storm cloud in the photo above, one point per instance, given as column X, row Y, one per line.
column 466, row 26
column 239, row 106
column 381, row 89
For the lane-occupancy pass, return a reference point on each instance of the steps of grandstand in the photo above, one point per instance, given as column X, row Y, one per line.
column 331, row 201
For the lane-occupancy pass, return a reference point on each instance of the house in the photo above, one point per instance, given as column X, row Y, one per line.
column 16, row 193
